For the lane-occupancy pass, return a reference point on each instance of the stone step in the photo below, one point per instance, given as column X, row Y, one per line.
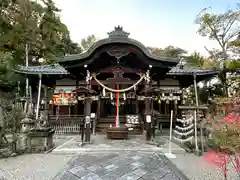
column 108, row 120
column 111, row 119
column 103, row 126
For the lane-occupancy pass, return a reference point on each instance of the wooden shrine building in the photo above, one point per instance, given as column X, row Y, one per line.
column 115, row 70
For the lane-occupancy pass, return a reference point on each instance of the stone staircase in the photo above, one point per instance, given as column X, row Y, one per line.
column 105, row 122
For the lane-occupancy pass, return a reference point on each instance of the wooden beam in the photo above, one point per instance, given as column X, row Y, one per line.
column 106, row 82
column 119, row 70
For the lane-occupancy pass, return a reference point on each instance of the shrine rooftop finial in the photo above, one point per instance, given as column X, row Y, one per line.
column 118, row 32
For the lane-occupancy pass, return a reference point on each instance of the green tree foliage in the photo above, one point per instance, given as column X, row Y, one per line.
column 235, row 46
column 195, row 59
column 223, row 28
column 8, row 79
column 37, row 24
column 169, row 51
column 88, row 41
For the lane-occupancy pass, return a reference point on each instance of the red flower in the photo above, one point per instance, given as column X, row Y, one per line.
column 219, row 159
column 231, row 118
column 237, row 163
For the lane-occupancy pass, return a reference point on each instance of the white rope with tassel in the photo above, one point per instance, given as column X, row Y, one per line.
column 187, row 121
column 120, row 90
column 183, row 140
column 184, row 128
column 183, row 133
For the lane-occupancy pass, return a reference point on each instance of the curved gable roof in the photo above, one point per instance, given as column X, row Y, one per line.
column 118, row 36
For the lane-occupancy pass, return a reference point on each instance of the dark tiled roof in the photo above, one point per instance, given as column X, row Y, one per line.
column 44, row 69
column 187, row 70
column 57, row 69
column 117, row 36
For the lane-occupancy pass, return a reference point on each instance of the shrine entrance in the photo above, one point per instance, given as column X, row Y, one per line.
column 128, row 106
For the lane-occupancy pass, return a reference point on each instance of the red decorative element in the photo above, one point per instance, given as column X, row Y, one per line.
column 63, row 99
column 117, row 107
column 231, row 118
column 237, row 163
column 132, row 49
column 219, row 159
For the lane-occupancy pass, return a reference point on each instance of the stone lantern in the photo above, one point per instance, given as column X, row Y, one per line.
column 27, row 124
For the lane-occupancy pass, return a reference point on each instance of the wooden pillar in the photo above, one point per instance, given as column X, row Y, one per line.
column 195, row 114
column 45, row 97
column 98, row 107
column 87, row 108
column 76, row 105
column 137, row 104
column 46, row 107
column 39, row 95
column 147, row 102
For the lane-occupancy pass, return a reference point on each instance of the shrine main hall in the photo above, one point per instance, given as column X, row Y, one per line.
column 117, row 81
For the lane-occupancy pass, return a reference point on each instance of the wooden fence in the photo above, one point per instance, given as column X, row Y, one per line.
column 65, row 124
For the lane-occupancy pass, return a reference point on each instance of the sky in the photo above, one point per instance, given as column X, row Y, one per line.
column 155, row 23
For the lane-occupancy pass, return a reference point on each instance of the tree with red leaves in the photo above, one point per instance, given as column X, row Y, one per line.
column 225, row 142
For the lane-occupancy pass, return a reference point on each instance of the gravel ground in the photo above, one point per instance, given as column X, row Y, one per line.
column 196, row 168
column 33, row 166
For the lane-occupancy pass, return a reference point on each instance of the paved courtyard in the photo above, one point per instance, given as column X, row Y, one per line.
column 107, row 159
column 101, row 144
column 104, row 159
column 131, row 165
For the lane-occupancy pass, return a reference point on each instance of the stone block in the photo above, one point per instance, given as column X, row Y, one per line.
column 39, row 141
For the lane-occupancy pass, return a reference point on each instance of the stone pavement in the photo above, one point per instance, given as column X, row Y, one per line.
column 104, row 159
column 101, row 144
column 127, row 165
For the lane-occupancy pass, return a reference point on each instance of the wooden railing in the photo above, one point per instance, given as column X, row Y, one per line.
column 65, row 124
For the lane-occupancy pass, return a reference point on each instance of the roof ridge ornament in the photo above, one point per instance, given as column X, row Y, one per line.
column 118, row 32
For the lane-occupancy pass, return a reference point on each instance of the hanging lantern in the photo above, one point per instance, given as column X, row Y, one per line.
column 104, row 92
column 175, row 101
column 178, row 98
column 124, row 95
column 50, row 102
column 43, row 101
column 167, row 101
column 159, row 100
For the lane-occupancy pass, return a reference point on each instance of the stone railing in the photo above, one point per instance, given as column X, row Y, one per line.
column 65, row 124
